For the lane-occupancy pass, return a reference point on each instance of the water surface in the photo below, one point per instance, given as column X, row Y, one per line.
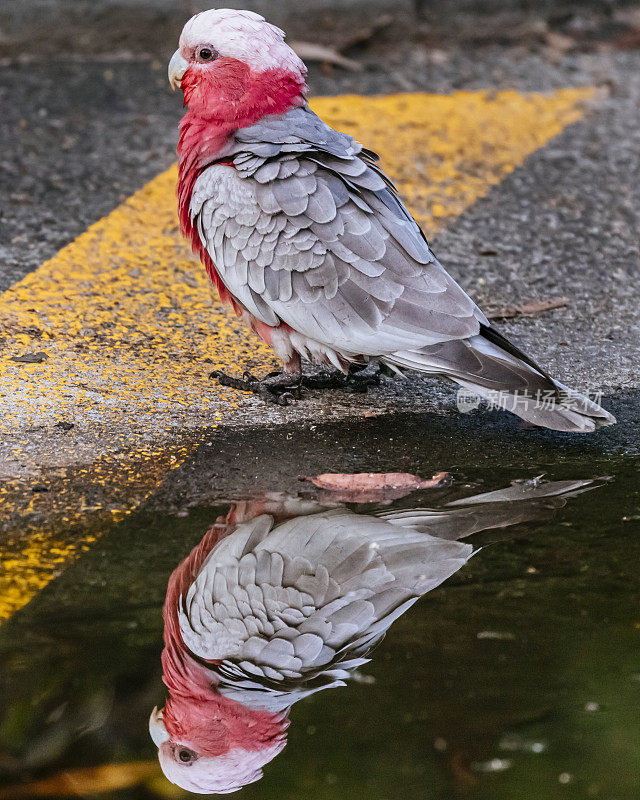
column 517, row 677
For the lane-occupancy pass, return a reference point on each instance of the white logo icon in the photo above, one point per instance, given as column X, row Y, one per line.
column 466, row 400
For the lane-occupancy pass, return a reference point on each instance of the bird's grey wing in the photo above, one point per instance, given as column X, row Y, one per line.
column 302, row 229
column 298, row 604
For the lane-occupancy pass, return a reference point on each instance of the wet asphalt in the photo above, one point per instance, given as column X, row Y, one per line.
column 537, row 626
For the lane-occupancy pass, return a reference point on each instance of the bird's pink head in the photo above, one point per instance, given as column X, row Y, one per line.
column 230, row 62
column 215, row 745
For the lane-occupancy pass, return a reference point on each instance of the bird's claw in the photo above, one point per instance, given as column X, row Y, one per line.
column 359, row 384
column 283, row 388
column 287, row 399
column 277, row 387
column 357, row 381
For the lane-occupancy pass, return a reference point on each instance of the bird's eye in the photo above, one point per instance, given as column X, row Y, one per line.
column 206, row 54
column 186, row 756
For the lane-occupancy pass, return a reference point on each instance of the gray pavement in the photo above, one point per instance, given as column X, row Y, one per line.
column 79, row 138
column 33, row 28
column 567, row 223
column 81, row 133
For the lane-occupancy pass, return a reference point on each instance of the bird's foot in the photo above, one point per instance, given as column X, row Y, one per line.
column 281, row 388
column 357, row 380
column 284, row 388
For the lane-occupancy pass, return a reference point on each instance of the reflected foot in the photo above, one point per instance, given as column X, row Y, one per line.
column 281, row 388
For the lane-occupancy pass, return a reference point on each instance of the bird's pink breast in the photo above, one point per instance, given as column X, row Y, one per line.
column 225, row 96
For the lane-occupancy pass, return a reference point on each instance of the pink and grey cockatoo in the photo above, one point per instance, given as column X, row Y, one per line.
column 307, row 239
column 264, row 613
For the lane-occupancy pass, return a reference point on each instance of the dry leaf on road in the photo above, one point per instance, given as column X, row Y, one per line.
column 370, row 487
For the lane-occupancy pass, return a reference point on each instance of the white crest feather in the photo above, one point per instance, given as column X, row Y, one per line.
column 243, row 35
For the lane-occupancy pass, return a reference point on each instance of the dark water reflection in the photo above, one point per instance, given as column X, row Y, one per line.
column 271, row 608
column 516, row 676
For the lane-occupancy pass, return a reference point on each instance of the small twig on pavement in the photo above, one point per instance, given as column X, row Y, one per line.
column 312, row 51
column 529, row 309
column 366, row 34
column 328, row 55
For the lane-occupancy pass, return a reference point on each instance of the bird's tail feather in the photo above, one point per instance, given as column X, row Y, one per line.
column 493, row 368
column 523, row 501
column 566, row 410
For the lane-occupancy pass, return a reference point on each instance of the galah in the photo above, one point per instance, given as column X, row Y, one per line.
column 264, row 613
column 307, row 239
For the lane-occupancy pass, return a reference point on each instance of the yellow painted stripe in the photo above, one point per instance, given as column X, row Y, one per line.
column 446, row 151
column 132, row 328
column 86, row 781
column 79, row 507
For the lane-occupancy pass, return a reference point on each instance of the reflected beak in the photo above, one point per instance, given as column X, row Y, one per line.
column 177, row 67
column 156, row 728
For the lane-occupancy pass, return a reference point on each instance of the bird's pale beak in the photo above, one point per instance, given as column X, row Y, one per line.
column 177, row 67
column 156, row 728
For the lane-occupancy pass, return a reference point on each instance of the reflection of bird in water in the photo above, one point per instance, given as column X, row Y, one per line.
column 263, row 613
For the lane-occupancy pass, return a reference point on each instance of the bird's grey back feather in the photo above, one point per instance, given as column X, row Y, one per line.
column 303, row 230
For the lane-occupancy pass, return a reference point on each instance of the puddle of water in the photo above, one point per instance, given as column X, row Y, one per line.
column 517, row 675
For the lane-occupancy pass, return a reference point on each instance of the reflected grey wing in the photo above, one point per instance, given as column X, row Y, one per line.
column 520, row 502
column 530, row 490
column 305, row 231
column 306, row 600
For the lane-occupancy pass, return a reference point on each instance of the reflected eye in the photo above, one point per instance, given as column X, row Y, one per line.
column 206, row 54
column 186, row 756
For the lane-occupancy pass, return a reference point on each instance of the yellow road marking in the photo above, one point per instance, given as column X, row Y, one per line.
column 78, row 508
column 446, row 151
column 131, row 327
column 127, row 317
column 86, row 781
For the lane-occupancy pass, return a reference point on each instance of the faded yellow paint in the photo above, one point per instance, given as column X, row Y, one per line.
column 86, row 781
column 446, row 151
column 78, row 507
column 130, row 325
column 127, row 319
